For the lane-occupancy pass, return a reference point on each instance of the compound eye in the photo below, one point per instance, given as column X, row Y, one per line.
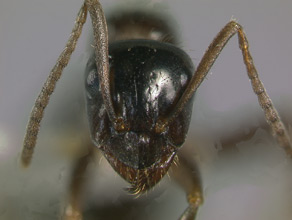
column 92, row 84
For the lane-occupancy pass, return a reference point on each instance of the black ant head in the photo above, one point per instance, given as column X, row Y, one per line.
column 147, row 79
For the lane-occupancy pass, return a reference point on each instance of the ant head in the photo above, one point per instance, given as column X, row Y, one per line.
column 147, row 79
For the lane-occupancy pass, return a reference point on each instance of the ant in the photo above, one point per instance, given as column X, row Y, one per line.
column 139, row 93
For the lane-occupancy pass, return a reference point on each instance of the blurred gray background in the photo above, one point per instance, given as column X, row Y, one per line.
column 254, row 184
